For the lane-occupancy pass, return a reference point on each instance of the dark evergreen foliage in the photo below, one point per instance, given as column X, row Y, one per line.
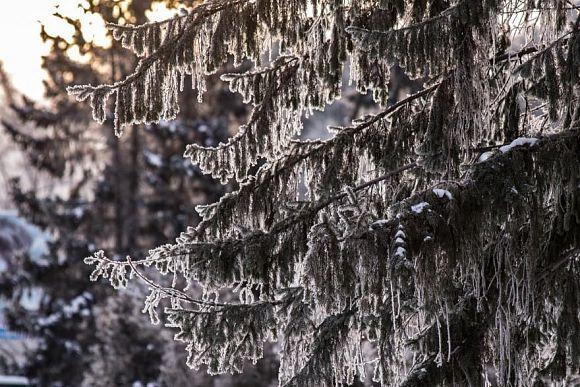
column 441, row 231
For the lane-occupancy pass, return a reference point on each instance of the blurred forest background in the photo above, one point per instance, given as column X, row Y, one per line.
column 69, row 187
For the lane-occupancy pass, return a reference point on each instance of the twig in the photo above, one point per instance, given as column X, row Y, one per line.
column 171, row 292
column 287, row 222
column 430, row 20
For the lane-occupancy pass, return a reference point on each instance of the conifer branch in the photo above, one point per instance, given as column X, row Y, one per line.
column 493, row 225
column 539, row 53
column 299, row 151
column 452, row 9
column 290, row 221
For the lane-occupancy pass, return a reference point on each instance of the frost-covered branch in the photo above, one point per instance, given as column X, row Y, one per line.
column 336, row 354
column 272, row 91
column 223, row 341
column 283, row 170
column 400, row 232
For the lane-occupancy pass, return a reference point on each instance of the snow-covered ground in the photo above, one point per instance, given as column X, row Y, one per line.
column 17, row 237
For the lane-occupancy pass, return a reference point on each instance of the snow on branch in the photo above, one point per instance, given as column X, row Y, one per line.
column 448, row 233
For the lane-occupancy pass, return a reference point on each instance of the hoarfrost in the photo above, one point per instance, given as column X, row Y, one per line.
column 290, row 262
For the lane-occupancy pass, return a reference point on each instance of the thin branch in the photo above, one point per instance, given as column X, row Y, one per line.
column 171, row 292
column 169, row 45
column 430, row 20
column 271, row 92
column 539, row 53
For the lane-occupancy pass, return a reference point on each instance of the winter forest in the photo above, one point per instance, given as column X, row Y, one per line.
column 297, row 193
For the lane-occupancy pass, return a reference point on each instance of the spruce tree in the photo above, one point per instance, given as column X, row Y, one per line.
column 440, row 231
column 127, row 196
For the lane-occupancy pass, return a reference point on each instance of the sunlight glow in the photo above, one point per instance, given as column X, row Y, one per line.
column 21, row 48
column 159, row 12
